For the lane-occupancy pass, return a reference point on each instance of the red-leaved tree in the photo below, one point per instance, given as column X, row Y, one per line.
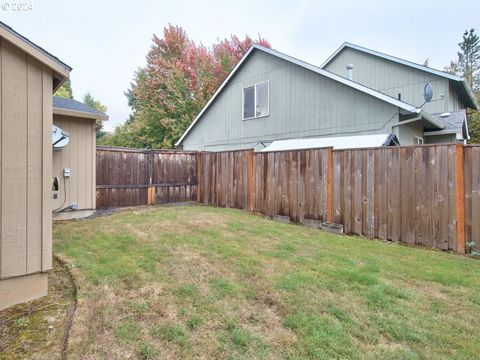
column 178, row 80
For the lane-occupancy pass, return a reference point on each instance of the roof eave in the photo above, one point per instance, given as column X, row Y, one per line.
column 431, row 119
column 471, row 95
column 34, row 50
column 80, row 114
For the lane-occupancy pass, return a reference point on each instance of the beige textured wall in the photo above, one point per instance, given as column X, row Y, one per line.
column 79, row 156
column 25, row 171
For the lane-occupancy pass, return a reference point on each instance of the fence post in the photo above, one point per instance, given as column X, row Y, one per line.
column 460, row 197
column 199, row 175
column 151, row 189
column 330, row 185
column 251, row 190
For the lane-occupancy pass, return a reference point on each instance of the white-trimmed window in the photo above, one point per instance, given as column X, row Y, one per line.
column 417, row 140
column 255, row 101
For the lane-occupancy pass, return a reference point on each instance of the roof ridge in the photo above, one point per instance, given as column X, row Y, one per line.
column 426, row 68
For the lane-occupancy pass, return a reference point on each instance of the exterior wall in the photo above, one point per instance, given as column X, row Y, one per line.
column 441, row 139
column 302, row 104
column 406, row 133
column 25, row 171
column 392, row 78
column 79, row 156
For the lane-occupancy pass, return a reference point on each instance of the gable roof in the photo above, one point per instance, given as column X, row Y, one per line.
column 461, row 85
column 61, row 70
column 405, row 107
column 72, row 107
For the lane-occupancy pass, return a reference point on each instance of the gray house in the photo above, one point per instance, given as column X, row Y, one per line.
column 271, row 96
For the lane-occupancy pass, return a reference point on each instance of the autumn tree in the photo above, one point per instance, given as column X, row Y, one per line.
column 177, row 81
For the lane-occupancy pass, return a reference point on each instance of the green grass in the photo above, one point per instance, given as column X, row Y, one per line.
column 171, row 332
column 190, row 282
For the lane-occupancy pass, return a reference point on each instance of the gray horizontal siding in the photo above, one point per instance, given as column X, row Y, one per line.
column 392, row 78
column 302, row 104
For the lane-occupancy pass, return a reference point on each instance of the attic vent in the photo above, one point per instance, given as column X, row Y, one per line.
column 350, row 71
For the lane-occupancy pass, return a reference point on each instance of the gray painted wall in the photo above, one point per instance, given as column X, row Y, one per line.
column 406, row 133
column 302, row 104
column 392, row 78
column 439, row 139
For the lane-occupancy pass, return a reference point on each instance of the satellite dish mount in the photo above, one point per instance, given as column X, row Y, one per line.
column 427, row 93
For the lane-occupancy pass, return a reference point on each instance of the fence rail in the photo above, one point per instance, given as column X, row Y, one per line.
column 418, row 195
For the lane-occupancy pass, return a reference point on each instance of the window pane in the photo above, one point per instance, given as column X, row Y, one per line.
column 248, row 102
column 262, row 99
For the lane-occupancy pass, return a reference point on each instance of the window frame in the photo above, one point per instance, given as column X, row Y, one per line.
column 255, row 100
column 418, row 140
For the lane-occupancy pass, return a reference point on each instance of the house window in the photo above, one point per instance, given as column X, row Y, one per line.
column 255, row 101
column 417, row 140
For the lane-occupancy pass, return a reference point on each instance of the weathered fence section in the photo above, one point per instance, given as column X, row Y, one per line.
column 174, row 177
column 418, row 195
column 404, row 194
column 292, row 183
column 129, row 177
column 472, row 194
column 224, row 179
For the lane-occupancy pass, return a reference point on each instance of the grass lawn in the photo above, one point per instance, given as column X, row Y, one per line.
column 202, row 282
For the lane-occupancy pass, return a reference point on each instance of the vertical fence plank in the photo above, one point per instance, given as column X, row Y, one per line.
column 460, row 198
column 330, row 185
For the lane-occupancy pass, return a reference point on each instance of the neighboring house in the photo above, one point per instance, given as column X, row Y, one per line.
column 74, row 162
column 271, row 96
column 406, row 80
column 28, row 77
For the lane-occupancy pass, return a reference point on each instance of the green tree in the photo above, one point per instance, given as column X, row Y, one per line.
column 65, row 90
column 89, row 100
column 467, row 65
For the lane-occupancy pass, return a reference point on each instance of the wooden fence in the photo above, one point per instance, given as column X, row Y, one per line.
column 418, row 195
column 128, row 177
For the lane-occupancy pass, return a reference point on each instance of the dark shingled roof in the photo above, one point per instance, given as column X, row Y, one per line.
column 453, row 122
column 71, row 104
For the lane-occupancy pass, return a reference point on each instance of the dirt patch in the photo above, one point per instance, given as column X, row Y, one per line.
column 39, row 329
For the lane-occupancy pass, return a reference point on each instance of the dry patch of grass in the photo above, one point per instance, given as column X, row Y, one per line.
column 201, row 282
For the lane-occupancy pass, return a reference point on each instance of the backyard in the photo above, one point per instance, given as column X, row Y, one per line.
column 204, row 282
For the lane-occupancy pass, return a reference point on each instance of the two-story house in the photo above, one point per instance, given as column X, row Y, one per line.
column 271, row 96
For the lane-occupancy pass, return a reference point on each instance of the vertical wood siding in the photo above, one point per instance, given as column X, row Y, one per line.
column 79, row 156
column 302, row 104
column 392, row 78
column 25, row 153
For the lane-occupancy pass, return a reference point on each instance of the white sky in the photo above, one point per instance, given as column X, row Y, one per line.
column 105, row 41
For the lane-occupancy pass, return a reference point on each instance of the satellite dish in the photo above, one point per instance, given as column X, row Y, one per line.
column 60, row 137
column 428, row 92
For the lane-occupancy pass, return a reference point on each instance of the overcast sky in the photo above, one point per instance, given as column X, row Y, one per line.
column 106, row 41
